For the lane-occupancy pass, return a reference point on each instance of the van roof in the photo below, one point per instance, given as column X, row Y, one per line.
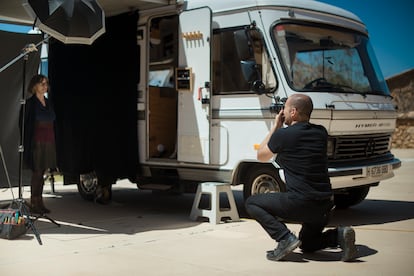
column 13, row 11
column 223, row 5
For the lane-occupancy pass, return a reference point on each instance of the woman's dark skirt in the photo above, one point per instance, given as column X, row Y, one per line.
column 44, row 149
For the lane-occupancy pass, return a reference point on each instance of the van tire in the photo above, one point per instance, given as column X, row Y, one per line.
column 351, row 197
column 262, row 179
column 87, row 186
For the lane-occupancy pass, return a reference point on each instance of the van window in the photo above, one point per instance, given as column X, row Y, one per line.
column 163, row 51
column 322, row 58
column 228, row 75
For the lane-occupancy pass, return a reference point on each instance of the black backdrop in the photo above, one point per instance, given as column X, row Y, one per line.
column 94, row 90
column 11, row 81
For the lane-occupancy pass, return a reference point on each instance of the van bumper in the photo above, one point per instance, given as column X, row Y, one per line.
column 352, row 176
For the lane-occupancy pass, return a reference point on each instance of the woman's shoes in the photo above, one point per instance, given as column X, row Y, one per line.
column 45, row 210
column 39, row 210
column 37, row 206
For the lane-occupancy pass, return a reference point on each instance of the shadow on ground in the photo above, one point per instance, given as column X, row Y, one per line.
column 372, row 211
column 328, row 255
column 133, row 211
column 368, row 212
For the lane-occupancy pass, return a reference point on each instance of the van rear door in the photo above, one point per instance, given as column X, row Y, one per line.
column 192, row 81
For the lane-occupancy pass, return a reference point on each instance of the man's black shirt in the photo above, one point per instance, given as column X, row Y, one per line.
column 302, row 152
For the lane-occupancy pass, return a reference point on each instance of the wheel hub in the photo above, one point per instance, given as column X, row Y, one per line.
column 88, row 182
column 265, row 184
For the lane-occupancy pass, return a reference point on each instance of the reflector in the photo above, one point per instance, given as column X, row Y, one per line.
column 70, row 21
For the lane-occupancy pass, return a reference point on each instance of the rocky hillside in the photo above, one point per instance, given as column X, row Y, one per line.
column 402, row 90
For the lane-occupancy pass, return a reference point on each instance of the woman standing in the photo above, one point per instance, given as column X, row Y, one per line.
column 39, row 139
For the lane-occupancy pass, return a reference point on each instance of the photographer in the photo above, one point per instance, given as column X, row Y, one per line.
column 301, row 152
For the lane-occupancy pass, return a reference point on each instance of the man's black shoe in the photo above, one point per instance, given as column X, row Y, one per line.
column 346, row 240
column 284, row 247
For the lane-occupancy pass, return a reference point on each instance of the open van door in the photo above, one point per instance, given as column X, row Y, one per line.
column 193, row 82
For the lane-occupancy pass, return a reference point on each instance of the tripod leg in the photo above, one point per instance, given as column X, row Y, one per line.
column 35, row 232
column 48, row 218
column 24, row 210
column 30, row 221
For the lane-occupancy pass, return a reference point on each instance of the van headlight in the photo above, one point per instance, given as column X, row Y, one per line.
column 331, row 147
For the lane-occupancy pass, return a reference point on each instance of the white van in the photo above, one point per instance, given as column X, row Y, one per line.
column 213, row 74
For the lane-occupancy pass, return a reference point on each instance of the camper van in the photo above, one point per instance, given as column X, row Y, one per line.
column 213, row 74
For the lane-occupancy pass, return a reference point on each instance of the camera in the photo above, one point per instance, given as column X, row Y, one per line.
column 276, row 107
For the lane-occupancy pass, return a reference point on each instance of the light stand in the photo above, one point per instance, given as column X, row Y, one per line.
column 25, row 53
column 20, row 203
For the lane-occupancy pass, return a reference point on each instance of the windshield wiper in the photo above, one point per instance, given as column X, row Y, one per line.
column 321, row 84
column 324, row 85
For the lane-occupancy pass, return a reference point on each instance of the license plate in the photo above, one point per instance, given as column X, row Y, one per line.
column 376, row 171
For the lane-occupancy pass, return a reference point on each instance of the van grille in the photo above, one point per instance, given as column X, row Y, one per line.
column 358, row 147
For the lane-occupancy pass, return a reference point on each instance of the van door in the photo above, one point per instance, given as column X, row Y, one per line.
column 193, row 81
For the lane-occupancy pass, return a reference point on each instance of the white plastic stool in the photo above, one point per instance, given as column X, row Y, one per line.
column 215, row 214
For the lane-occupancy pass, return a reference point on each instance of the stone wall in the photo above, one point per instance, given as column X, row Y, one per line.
column 402, row 90
column 403, row 137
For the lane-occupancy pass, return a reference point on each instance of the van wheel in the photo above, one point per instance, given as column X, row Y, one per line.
column 351, row 197
column 262, row 179
column 87, row 186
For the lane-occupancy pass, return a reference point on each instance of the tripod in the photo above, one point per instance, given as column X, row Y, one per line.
column 20, row 203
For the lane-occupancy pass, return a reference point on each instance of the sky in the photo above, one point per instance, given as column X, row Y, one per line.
column 390, row 26
column 14, row 28
column 389, row 23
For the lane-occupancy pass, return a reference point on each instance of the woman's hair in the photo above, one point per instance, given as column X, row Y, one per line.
column 35, row 80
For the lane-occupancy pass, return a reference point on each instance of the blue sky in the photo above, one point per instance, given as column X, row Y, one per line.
column 14, row 28
column 389, row 23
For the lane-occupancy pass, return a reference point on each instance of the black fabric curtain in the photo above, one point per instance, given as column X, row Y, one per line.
column 94, row 91
column 11, row 82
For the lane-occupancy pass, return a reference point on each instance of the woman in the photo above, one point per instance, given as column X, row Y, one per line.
column 39, row 139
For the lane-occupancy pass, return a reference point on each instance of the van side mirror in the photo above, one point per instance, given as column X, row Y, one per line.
column 243, row 45
column 249, row 70
column 248, row 65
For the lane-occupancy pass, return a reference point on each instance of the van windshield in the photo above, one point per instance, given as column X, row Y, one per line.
column 320, row 58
